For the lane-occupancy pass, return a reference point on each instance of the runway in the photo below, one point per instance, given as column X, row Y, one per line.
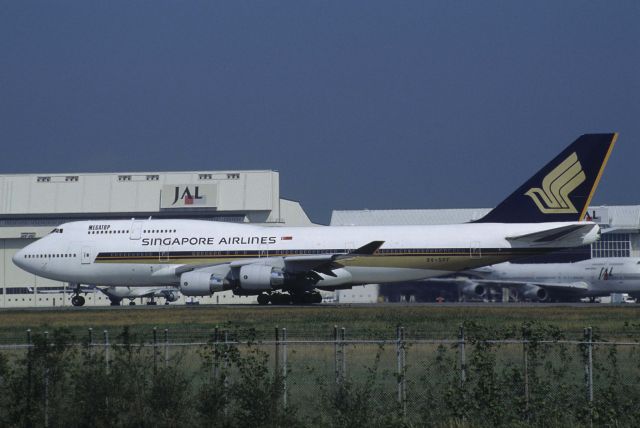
column 256, row 307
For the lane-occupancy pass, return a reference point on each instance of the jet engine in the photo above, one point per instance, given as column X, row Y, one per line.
column 200, row 284
column 171, row 296
column 473, row 289
column 256, row 277
column 533, row 292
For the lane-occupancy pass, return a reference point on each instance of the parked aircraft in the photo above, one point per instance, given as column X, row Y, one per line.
column 203, row 257
column 555, row 281
column 117, row 294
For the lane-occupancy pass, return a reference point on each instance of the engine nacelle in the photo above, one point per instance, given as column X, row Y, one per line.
column 171, row 296
column 256, row 277
column 533, row 292
column 200, row 283
column 473, row 290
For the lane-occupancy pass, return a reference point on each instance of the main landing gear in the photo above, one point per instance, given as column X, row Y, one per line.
column 77, row 299
column 305, row 298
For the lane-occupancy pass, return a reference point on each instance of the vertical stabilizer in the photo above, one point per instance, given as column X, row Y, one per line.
column 562, row 190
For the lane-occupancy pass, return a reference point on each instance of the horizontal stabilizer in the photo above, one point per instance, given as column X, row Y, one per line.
column 552, row 235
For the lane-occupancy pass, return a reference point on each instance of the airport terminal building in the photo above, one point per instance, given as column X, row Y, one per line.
column 31, row 205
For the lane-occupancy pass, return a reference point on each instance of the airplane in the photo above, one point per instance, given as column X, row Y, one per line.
column 117, row 294
column 289, row 264
column 543, row 282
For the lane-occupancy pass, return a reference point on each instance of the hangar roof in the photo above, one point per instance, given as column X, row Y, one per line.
column 616, row 216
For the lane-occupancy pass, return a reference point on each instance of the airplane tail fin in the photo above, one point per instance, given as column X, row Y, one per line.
column 562, row 190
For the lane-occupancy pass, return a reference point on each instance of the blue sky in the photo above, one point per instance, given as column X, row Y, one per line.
column 368, row 104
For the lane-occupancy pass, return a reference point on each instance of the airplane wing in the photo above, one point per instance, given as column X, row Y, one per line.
column 321, row 263
column 558, row 286
column 535, row 290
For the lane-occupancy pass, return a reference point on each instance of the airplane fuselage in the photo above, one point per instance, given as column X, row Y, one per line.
column 602, row 276
column 147, row 252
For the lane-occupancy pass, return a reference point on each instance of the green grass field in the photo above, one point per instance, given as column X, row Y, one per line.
column 492, row 394
column 428, row 322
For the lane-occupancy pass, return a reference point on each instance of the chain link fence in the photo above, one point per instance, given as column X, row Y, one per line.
column 534, row 376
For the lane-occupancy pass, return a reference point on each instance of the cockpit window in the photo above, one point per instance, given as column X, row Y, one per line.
column 57, row 230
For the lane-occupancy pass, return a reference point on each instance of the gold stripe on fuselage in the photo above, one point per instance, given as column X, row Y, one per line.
column 436, row 261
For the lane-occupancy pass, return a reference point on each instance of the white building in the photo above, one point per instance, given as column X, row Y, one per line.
column 31, row 205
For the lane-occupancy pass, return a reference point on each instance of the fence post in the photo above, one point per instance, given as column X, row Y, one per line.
column 525, row 358
column 90, row 342
column 588, row 370
column 463, row 364
column 166, row 348
column 404, row 372
column 226, row 367
column 284, row 367
column 590, row 332
column 106, row 351
column 226, row 357
column 155, row 350
column 277, row 352
column 343, row 354
column 335, row 353
column 400, row 356
column 29, row 370
column 46, row 379
column 215, row 353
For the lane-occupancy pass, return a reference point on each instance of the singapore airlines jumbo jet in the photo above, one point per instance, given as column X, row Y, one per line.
column 203, row 257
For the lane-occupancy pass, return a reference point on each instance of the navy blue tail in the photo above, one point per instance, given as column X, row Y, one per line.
column 562, row 190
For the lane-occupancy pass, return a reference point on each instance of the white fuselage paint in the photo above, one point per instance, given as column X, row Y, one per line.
column 603, row 276
column 73, row 254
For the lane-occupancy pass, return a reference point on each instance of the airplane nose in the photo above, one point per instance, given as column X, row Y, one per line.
column 19, row 259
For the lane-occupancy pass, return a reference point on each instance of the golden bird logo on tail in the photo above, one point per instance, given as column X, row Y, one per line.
column 553, row 198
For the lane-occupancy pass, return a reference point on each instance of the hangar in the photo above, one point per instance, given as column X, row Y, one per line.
column 31, row 205
column 620, row 238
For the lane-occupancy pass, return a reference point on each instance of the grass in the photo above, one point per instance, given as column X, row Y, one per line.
column 316, row 322
column 491, row 395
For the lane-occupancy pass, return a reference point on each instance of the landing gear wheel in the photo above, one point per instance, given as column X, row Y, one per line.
column 280, row 299
column 77, row 300
column 307, row 298
column 263, row 299
column 316, row 297
column 132, row 303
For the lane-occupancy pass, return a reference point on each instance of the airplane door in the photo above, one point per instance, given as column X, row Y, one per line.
column 163, row 255
column 349, row 246
column 474, row 250
column 136, row 230
column 86, row 255
column 263, row 250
